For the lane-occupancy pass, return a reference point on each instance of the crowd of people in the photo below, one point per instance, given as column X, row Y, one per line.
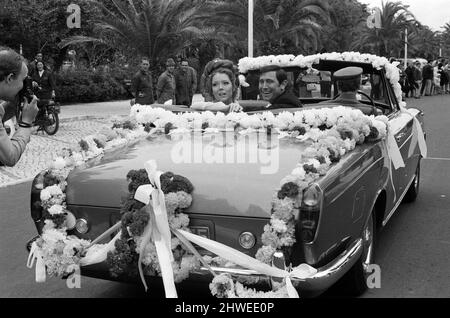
column 419, row 80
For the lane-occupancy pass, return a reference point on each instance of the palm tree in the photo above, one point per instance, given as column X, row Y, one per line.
column 445, row 40
column 153, row 28
column 347, row 20
column 277, row 23
column 395, row 18
column 424, row 43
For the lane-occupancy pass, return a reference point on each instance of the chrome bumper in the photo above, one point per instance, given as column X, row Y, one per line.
column 325, row 277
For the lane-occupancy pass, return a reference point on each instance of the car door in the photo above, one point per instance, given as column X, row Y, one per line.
column 401, row 125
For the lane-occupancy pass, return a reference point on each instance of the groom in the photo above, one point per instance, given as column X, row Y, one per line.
column 274, row 88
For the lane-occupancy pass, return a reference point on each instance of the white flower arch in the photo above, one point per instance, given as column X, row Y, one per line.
column 392, row 72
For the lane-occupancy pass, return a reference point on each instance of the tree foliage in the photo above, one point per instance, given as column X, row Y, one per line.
column 347, row 21
column 280, row 26
column 157, row 29
column 395, row 18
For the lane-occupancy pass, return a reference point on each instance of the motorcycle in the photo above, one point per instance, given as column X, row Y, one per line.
column 47, row 118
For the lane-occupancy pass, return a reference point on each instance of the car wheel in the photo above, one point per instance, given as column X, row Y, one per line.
column 413, row 191
column 355, row 281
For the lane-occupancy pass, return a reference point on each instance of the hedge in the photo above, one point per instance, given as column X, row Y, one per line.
column 86, row 85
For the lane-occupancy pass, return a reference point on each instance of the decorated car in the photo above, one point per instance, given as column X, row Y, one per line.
column 276, row 203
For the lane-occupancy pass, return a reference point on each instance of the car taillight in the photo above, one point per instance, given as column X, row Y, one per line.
column 310, row 212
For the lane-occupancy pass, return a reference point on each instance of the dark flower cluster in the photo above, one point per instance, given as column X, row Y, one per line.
column 136, row 179
column 323, row 127
column 57, row 219
column 373, row 133
column 205, row 125
column 99, row 144
column 174, row 183
column 50, row 179
column 148, row 127
column 127, row 124
column 309, row 168
column 290, row 190
column 135, row 221
column 84, row 145
column 301, row 130
column 168, row 127
column 334, row 156
column 124, row 260
column 345, row 134
column 321, row 159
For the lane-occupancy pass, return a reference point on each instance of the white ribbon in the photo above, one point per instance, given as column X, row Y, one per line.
column 36, row 255
column 393, row 151
column 98, row 253
column 157, row 228
column 301, row 272
column 418, row 136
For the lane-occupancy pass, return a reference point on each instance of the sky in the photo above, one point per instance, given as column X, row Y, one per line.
column 433, row 13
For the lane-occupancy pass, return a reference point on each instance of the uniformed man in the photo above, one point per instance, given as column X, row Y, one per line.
column 348, row 81
column 142, row 85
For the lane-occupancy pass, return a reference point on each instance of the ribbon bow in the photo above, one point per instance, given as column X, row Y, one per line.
column 158, row 227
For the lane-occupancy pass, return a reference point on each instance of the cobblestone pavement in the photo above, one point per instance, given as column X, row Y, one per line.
column 42, row 149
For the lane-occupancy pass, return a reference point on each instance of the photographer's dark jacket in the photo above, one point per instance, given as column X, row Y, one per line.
column 46, row 83
column 11, row 149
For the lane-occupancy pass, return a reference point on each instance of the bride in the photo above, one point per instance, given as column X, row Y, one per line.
column 222, row 85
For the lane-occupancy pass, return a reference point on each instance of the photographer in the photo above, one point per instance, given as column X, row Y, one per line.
column 13, row 72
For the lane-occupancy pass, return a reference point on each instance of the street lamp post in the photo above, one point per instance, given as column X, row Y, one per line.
column 406, row 49
column 250, row 28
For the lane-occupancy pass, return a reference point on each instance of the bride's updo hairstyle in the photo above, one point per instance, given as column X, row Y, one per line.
column 224, row 67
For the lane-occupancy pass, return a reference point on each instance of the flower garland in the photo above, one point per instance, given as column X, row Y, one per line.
column 247, row 64
column 332, row 132
column 61, row 252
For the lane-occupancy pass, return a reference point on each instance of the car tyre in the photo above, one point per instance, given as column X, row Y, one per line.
column 413, row 191
column 354, row 283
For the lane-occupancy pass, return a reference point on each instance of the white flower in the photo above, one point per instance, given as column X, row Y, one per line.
column 59, row 163
column 299, row 173
column 278, row 225
column 56, row 209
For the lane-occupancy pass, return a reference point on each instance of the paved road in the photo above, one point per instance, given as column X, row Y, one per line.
column 413, row 251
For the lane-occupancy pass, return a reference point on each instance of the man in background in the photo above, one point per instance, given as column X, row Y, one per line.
column 185, row 83
column 165, row 89
column 142, row 84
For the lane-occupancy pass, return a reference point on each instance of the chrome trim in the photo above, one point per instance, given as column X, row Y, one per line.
column 325, row 277
column 410, row 136
column 247, row 233
column 398, row 202
column 87, row 225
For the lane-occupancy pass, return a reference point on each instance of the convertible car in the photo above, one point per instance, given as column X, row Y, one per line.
column 339, row 216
